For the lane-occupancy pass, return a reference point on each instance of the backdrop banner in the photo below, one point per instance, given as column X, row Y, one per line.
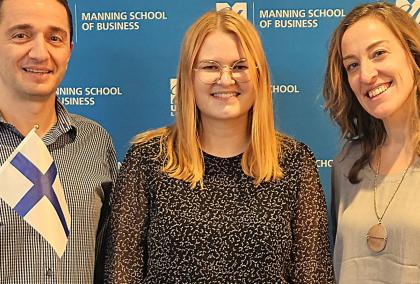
column 123, row 67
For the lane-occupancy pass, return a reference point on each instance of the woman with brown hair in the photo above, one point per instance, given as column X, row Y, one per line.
column 220, row 196
column 372, row 92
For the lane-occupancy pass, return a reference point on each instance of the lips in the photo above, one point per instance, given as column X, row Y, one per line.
column 37, row 70
column 224, row 95
column 378, row 90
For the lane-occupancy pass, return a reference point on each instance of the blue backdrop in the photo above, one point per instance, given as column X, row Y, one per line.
column 125, row 58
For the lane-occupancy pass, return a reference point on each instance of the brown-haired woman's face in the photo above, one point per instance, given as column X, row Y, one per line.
column 378, row 68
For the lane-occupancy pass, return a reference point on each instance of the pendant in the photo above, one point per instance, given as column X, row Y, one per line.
column 377, row 238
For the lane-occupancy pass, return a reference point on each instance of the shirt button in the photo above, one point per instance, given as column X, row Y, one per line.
column 49, row 272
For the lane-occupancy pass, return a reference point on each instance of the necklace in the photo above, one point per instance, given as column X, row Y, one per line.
column 377, row 235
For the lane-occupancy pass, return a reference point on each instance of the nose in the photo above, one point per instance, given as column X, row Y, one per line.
column 226, row 76
column 39, row 49
column 368, row 72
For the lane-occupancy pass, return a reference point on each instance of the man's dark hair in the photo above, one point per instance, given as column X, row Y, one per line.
column 69, row 15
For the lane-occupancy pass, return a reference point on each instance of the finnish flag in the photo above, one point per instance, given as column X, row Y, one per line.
column 29, row 183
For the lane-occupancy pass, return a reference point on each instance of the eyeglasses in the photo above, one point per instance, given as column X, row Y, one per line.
column 209, row 71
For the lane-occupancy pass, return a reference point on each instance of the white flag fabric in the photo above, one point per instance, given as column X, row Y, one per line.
column 29, row 183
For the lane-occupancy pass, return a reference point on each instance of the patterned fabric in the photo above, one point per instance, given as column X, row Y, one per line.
column 161, row 231
column 86, row 162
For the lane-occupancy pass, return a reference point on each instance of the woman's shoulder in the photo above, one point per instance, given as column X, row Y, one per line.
column 292, row 147
column 350, row 152
column 149, row 144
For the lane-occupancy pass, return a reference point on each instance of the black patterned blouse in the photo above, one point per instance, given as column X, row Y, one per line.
column 161, row 231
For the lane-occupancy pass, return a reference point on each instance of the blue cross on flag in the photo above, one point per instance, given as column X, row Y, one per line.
column 29, row 183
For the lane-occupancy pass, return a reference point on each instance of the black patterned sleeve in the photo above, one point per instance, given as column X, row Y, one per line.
column 312, row 263
column 125, row 247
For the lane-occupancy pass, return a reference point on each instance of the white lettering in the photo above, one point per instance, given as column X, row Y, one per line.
column 117, row 26
column 104, row 16
column 326, row 13
column 78, row 101
column 105, row 91
column 282, row 89
column 68, row 91
column 148, row 15
column 324, row 163
column 282, row 13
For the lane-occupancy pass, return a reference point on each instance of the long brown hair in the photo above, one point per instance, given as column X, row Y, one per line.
column 341, row 103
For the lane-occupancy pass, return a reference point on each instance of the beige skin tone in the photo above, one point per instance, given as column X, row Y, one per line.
column 35, row 49
column 224, row 117
column 377, row 64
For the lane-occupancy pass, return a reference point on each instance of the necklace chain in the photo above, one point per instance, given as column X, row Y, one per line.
column 375, row 186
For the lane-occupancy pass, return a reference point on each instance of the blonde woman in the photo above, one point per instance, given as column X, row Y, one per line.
column 220, row 196
column 372, row 92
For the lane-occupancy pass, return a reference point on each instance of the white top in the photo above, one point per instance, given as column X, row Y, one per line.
column 353, row 211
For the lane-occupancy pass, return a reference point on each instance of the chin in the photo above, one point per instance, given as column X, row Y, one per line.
column 379, row 115
column 40, row 94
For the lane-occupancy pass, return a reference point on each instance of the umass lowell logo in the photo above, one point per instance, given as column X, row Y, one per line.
column 238, row 7
column 412, row 7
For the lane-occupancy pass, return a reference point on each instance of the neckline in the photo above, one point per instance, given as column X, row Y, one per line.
column 207, row 155
column 394, row 176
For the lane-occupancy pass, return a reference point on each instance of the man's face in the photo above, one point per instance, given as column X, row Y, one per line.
column 35, row 48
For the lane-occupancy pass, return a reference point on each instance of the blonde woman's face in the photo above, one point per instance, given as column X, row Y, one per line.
column 230, row 96
column 379, row 69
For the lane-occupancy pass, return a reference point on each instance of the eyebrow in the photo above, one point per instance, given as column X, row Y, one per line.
column 370, row 46
column 19, row 27
column 54, row 29
column 212, row 60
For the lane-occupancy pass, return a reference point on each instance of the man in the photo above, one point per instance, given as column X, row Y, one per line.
column 35, row 47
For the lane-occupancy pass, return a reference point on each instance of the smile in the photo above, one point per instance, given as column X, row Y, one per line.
column 225, row 95
column 378, row 90
column 36, row 71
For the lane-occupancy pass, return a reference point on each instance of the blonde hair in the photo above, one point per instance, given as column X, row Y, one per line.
column 354, row 122
column 184, row 158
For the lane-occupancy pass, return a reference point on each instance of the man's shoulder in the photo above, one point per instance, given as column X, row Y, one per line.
column 85, row 124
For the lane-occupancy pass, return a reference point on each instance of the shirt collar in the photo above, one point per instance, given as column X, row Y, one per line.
column 65, row 124
column 64, row 121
